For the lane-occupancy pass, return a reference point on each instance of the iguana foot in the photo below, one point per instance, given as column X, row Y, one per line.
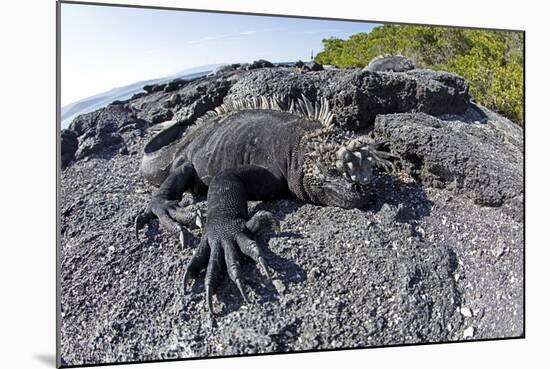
column 171, row 216
column 225, row 242
column 164, row 204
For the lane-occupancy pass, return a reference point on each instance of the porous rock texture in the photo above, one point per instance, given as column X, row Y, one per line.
column 436, row 255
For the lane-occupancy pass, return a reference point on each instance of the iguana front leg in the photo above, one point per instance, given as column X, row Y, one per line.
column 164, row 203
column 228, row 231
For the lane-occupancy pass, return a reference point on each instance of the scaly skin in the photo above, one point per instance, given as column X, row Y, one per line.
column 254, row 154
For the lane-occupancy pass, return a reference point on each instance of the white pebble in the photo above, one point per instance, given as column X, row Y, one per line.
column 468, row 332
column 466, row 311
column 279, row 286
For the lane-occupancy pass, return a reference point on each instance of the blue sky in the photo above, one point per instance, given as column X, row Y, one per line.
column 106, row 47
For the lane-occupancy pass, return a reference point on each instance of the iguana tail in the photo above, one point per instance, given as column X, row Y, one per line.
column 159, row 154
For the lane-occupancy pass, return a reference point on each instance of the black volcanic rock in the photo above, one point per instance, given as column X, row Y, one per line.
column 159, row 115
column 313, row 66
column 474, row 158
column 99, row 132
column 356, row 96
column 155, row 87
column 261, row 63
column 224, row 69
column 174, row 85
column 84, row 122
column 194, row 99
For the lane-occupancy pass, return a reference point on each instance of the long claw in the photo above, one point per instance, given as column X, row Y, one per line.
column 198, row 220
column 239, row 284
column 388, row 166
column 182, row 238
column 211, row 314
column 251, row 249
column 233, row 266
column 263, row 267
column 213, row 322
column 209, row 301
column 393, row 168
column 213, row 269
column 197, row 263
column 185, row 280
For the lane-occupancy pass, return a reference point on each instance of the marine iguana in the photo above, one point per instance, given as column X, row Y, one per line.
column 390, row 63
column 256, row 149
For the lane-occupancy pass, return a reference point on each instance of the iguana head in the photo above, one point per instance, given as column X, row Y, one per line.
column 339, row 174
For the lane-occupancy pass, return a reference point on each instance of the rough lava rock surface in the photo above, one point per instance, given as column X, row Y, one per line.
column 436, row 255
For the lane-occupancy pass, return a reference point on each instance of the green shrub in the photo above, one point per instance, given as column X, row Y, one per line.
column 491, row 60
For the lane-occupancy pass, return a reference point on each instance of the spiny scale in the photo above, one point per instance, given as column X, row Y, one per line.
column 302, row 107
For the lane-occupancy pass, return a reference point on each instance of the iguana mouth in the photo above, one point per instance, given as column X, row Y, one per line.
column 345, row 194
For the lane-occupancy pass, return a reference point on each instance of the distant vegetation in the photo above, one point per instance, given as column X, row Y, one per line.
column 491, row 60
